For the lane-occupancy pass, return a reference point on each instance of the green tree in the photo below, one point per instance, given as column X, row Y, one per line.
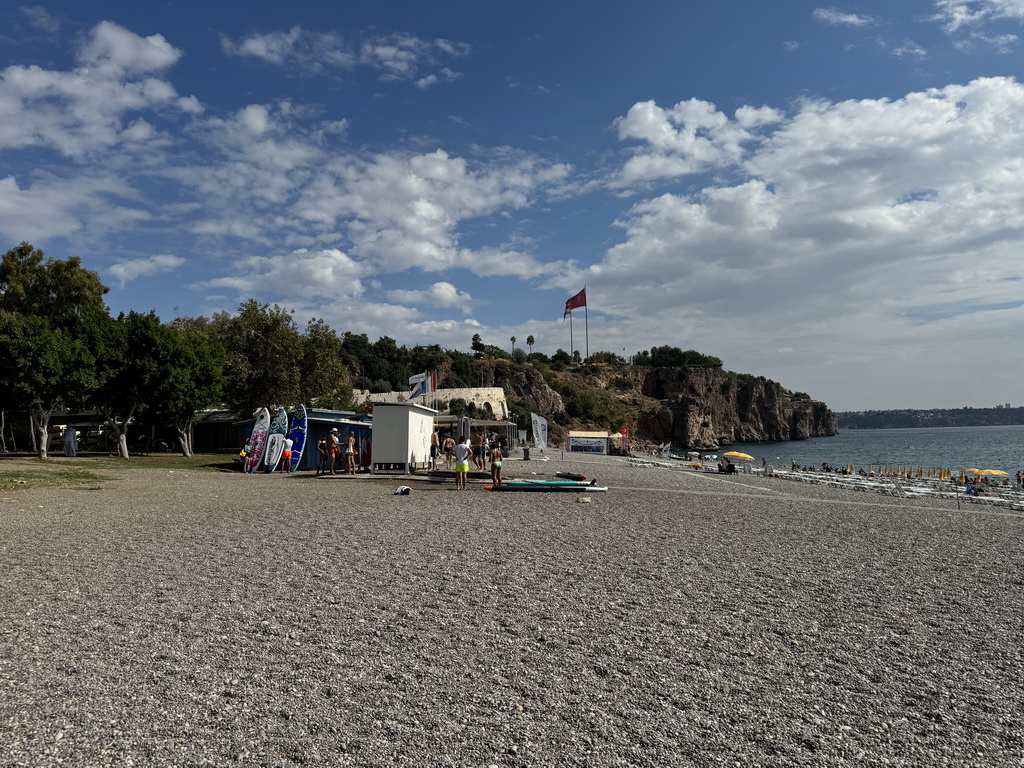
column 51, row 306
column 190, row 381
column 60, row 292
column 134, row 356
column 43, row 368
column 530, row 341
column 263, row 356
column 322, row 376
column 513, row 340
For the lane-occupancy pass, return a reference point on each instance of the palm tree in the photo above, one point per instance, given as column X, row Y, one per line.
column 513, row 343
column 530, row 342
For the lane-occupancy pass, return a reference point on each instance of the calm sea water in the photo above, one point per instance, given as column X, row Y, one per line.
column 953, row 447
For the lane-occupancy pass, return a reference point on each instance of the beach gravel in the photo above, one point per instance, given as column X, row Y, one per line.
column 196, row 618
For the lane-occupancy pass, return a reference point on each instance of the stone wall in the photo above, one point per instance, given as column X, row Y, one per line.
column 479, row 396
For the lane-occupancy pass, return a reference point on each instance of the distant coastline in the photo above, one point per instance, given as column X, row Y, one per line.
column 999, row 416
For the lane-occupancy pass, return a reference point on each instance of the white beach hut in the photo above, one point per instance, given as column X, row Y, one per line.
column 401, row 437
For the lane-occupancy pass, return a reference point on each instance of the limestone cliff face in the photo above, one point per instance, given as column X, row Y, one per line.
column 702, row 408
column 705, row 408
column 523, row 384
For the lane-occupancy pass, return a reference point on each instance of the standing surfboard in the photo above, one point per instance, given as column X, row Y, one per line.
column 275, row 440
column 297, row 433
column 258, row 440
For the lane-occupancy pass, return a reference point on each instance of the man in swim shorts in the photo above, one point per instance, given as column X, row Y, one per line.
column 462, row 451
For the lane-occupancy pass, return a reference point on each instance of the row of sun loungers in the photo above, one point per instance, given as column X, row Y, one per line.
column 909, row 488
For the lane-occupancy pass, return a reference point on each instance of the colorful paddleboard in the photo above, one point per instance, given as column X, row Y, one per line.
column 545, row 488
column 258, row 440
column 297, row 433
column 275, row 440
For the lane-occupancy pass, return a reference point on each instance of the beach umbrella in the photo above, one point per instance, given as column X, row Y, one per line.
column 973, row 471
column 994, row 472
column 738, row 455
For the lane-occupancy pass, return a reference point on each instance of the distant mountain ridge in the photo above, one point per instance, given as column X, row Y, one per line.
column 933, row 417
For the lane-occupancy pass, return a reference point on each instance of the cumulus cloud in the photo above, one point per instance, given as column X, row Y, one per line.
column 87, row 207
column 90, row 108
column 689, row 138
column 891, row 217
column 326, row 273
column 395, row 56
column 442, row 294
column 126, row 271
column 403, row 211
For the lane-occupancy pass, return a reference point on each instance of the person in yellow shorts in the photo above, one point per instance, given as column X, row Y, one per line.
column 462, row 453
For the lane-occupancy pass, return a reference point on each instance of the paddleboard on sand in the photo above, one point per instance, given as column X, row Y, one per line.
column 570, row 476
column 545, row 487
column 581, row 483
column 258, row 439
column 275, row 440
column 297, row 432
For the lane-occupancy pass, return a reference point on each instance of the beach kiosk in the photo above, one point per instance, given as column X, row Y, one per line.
column 587, row 442
column 401, row 437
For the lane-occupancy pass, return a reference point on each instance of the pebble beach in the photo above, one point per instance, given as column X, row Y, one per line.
column 189, row 618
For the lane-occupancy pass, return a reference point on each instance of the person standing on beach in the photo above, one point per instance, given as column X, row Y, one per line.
column 496, row 464
column 435, row 448
column 462, row 452
column 286, row 455
column 333, row 448
column 449, row 451
column 350, row 454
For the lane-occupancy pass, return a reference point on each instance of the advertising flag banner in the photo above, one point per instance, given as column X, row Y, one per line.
column 422, row 384
column 577, row 301
column 540, row 431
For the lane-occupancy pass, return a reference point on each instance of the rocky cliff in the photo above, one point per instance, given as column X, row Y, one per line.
column 691, row 407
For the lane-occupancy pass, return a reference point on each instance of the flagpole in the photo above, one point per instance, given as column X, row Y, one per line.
column 570, row 334
column 586, row 325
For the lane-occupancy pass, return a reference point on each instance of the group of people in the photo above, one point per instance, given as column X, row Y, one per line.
column 477, row 449
column 284, row 463
column 331, row 449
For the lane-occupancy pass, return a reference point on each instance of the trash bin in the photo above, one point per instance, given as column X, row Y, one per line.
column 526, row 453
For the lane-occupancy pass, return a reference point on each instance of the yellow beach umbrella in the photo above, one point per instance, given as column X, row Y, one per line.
column 738, row 455
column 995, row 472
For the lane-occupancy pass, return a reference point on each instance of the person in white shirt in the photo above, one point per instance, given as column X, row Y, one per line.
column 462, row 453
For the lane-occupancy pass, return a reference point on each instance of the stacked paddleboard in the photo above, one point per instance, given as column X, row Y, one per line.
column 297, row 433
column 258, row 440
column 275, row 440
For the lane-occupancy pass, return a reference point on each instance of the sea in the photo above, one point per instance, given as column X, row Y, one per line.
column 955, row 448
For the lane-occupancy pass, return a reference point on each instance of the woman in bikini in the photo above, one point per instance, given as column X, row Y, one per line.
column 496, row 464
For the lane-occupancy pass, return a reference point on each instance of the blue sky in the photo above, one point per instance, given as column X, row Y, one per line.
column 829, row 196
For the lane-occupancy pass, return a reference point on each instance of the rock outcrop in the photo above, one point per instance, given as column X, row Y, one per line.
column 693, row 407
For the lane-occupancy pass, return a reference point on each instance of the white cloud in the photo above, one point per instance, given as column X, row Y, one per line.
column 837, row 18
column 114, row 49
column 84, row 111
column 956, row 15
column 327, row 273
column 864, row 229
column 126, row 271
column 396, row 56
column 404, row 211
column 87, row 207
column 442, row 294
column 689, row 138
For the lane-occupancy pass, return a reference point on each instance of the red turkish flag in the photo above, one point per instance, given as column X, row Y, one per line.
column 577, row 301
